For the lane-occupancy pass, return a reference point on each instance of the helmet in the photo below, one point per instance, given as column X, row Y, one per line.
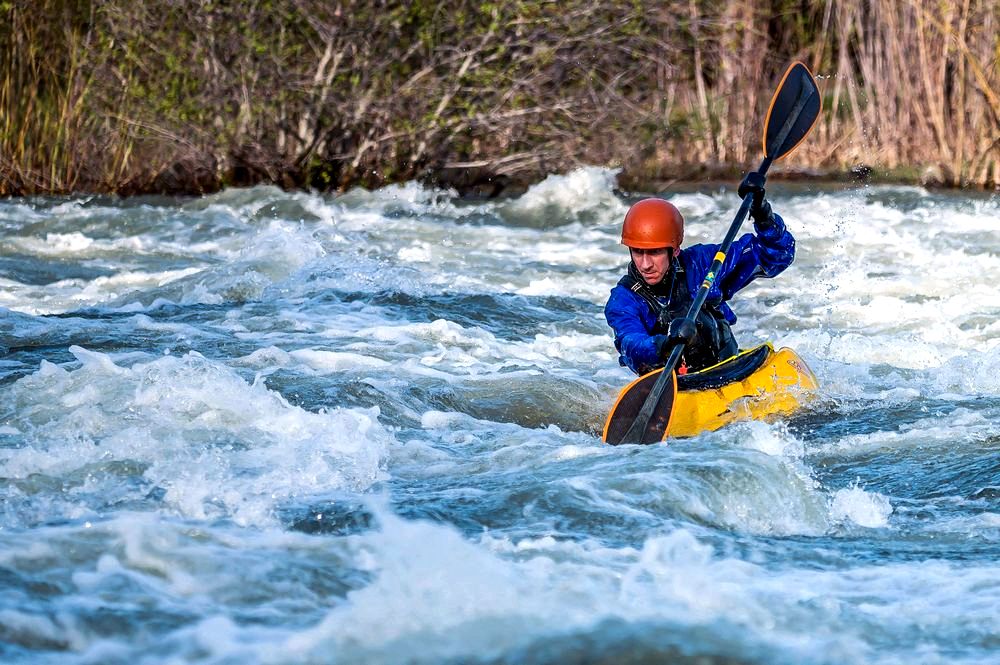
column 651, row 224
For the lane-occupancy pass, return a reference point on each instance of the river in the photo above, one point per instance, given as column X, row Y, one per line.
column 271, row 427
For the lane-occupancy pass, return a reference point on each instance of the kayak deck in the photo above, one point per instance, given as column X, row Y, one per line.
column 753, row 385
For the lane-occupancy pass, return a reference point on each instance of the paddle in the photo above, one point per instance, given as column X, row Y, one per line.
column 642, row 412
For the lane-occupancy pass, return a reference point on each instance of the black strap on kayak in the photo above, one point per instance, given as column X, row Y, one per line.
column 734, row 369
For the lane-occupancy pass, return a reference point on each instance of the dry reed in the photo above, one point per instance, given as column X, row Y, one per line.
column 189, row 96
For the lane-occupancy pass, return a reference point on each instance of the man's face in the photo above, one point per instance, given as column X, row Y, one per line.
column 652, row 263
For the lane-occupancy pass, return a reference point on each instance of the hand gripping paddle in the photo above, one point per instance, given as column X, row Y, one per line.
column 642, row 412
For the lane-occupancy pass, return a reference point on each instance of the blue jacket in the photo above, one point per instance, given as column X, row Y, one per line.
column 765, row 254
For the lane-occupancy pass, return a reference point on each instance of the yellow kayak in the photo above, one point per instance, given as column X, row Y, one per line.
column 716, row 396
column 753, row 385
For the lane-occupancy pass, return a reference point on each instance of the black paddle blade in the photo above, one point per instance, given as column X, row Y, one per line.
column 794, row 109
column 630, row 401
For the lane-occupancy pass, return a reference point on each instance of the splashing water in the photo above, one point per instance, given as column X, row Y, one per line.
column 290, row 428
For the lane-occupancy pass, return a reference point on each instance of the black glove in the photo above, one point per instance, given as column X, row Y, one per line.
column 760, row 209
column 681, row 331
column 662, row 347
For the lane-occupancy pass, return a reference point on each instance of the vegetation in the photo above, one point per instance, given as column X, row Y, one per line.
column 192, row 95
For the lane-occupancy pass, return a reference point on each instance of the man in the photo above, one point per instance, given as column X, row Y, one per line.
column 647, row 307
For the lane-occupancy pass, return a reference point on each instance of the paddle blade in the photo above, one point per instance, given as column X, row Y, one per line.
column 629, row 403
column 793, row 112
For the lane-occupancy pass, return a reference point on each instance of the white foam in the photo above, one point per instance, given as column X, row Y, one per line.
column 701, row 212
column 961, row 426
column 436, row 596
column 439, row 586
column 440, row 419
column 326, row 362
column 70, row 294
column 586, row 191
column 217, row 445
column 771, row 439
column 894, row 310
column 270, row 255
column 255, row 258
column 971, row 373
column 867, row 509
column 267, row 358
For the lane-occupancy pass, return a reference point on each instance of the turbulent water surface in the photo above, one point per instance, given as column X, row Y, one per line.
column 291, row 428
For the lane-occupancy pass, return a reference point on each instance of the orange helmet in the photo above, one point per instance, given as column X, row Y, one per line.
column 651, row 224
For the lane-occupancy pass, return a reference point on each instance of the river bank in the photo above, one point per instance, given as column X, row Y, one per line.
column 477, row 182
column 186, row 97
column 480, row 185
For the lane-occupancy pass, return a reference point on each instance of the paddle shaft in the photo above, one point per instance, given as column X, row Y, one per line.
column 640, row 424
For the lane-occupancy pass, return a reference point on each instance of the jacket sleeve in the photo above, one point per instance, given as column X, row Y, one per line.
column 763, row 254
column 632, row 320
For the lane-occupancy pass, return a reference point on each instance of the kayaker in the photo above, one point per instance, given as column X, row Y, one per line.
column 648, row 305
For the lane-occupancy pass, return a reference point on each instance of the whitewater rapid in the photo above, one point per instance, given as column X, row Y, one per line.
column 274, row 427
